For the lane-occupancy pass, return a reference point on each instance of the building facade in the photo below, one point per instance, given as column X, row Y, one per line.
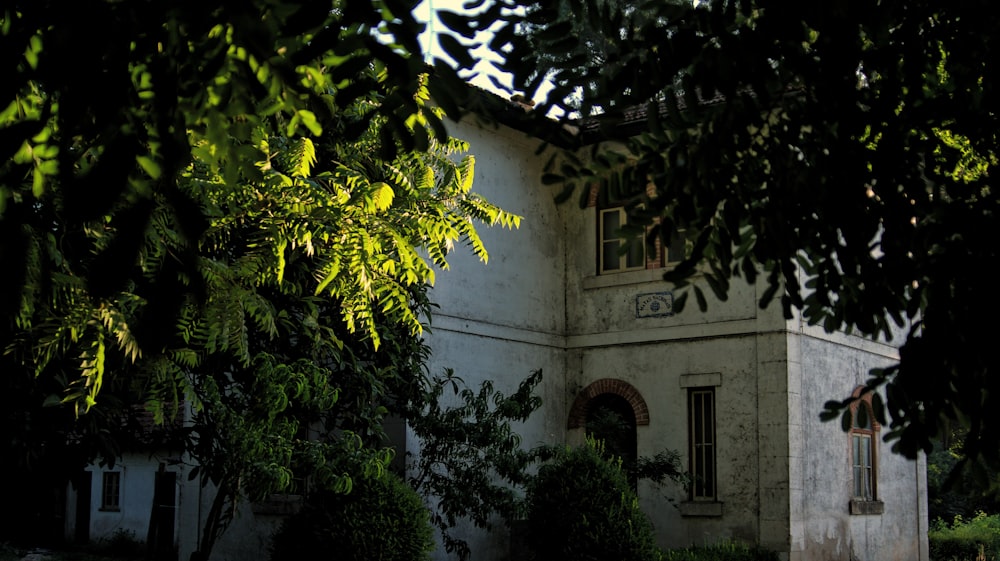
column 736, row 390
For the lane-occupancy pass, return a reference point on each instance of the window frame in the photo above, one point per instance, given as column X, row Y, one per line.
column 605, row 238
column 677, row 238
column 702, row 445
column 111, row 491
column 863, row 457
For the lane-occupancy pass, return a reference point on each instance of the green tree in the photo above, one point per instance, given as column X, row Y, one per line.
column 581, row 506
column 844, row 155
column 382, row 519
column 236, row 207
column 105, row 106
column 471, row 464
column 299, row 303
column 317, row 293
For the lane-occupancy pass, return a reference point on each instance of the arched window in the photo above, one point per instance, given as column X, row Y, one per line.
column 864, row 456
column 610, row 410
column 610, row 418
column 863, row 453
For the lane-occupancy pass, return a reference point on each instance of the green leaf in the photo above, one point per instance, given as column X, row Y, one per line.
column 382, row 196
column 150, row 166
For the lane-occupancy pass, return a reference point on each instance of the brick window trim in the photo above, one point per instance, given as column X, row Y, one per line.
column 621, row 388
column 862, row 398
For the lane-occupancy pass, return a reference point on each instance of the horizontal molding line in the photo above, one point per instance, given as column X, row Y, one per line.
column 679, row 333
column 479, row 328
column 888, row 350
column 676, row 333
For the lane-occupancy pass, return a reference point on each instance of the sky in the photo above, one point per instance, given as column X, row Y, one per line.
column 430, row 44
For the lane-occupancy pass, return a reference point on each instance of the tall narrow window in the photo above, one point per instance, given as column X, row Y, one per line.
column 612, row 258
column 111, row 490
column 863, row 454
column 864, row 457
column 701, row 410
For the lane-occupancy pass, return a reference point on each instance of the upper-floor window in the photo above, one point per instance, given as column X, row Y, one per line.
column 679, row 247
column 618, row 253
column 864, row 457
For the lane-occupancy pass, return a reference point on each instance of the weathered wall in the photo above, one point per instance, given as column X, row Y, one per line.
column 783, row 476
column 501, row 320
column 612, row 332
column 138, row 472
column 832, row 366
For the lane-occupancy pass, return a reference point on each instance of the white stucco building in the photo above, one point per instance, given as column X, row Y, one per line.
column 736, row 390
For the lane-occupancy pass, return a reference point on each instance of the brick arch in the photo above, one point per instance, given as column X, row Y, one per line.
column 621, row 388
column 863, row 398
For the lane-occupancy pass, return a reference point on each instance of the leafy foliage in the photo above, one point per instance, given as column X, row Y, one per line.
column 844, row 159
column 299, row 302
column 381, row 518
column 974, row 538
column 471, row 464
column 581, row 506
column 953, row 490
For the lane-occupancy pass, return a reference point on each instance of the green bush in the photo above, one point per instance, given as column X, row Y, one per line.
column 582, row 508
column 727, row 551
column 379, row 519
column 965, row 539
column 121, row 543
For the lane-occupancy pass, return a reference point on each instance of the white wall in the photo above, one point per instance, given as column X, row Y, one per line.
column 781, row 473
column 138, row 472
column 834, row 365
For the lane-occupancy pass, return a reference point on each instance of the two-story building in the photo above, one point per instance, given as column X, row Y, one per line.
column 736, row 390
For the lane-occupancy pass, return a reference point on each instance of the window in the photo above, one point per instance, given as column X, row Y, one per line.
column 111, row 490
column 611, row 420
column 679, row 248
column 864, row 458
column 701, row 424
column 612, row 258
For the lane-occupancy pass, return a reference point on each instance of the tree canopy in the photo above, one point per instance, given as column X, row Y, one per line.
column 233, row 209
column 844, row 152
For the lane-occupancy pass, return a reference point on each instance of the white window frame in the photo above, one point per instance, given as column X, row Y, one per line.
column 608, row 239
column 111, row 490
column 702, row 444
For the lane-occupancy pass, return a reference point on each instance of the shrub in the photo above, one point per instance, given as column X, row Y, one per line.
column 726, row 551
column 965, row 539
column 122, row 543
column 582, row 508
column 379, row 519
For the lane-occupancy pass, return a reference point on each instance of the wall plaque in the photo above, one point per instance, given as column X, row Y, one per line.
column 654, row 305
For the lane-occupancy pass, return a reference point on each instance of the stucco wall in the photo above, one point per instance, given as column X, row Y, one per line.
column 832, row 366
column 501, row 320
column 540, row 303
column 138, row 473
